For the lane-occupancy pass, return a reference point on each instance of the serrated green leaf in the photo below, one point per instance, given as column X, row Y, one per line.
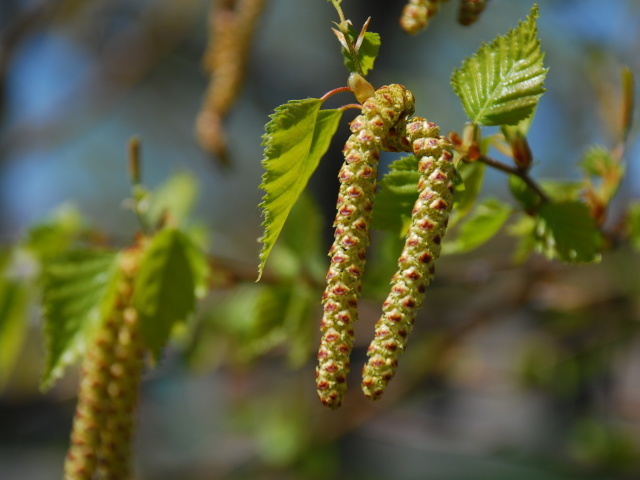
column 175, row 198
column 502, row 83
column 398, row 191
column 165, row 287
column 78, row 292
column 483, row 223
column 296, row 138
column 13, row 324
column 367, row 53
column 567, row 231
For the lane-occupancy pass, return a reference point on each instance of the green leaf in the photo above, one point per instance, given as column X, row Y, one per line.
column 366, row 54
column 175, row 198
column 78, row 292
column 472, row 175
column 13, row 323
column 502, row 83
column 397, row 193
column 297, row 136
column 484, row 222
column 165, row 286
column 567, row 231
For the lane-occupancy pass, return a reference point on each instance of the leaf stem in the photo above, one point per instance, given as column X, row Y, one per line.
column 518, row 172
column 334, row 91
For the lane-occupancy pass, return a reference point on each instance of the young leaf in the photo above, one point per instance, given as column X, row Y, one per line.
column 367, row 52
column 297, row 136
column 165, row 286
column 566, row 231
column 398, row 192
column 483, row 223
column 78, row 292
column 502, row 83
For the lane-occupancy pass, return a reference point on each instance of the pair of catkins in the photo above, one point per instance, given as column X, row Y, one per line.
column 416, row 14
column 385, row 124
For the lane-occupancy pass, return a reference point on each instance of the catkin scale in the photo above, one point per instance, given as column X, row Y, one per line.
column 388, row 107
column 104, row 420
column 416, row 262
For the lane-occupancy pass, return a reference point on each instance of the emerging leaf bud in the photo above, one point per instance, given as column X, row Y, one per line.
column 362, row 89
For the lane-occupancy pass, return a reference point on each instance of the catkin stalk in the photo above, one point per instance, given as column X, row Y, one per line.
column 416, row 265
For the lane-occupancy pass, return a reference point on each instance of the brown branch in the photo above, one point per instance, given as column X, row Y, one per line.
column 518, row 172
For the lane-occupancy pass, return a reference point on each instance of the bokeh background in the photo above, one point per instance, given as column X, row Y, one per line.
column 516, row 372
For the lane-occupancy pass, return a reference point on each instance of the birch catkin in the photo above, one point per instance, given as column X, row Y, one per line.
column 417, row 13
column 389, row 106
column 104, row 420
column 232, row 25
column 416, row 263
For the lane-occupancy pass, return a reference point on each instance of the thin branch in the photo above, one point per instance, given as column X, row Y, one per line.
column 518, row 172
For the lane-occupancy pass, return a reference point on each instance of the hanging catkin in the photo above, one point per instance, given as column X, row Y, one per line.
column 416, row 263
column 232, row 25
column 103, row 424
column 389, row 106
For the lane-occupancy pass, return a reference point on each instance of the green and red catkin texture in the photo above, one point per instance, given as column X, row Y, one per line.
column 470, row 10
column 416, row 263
column 382, row 112
column 103, row 424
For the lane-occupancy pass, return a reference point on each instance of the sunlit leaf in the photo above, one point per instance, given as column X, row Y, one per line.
column 503, row 81
column 486, row 220
column 297, row 136
column 566, row 231
column 165, row 286
column 78, row 291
